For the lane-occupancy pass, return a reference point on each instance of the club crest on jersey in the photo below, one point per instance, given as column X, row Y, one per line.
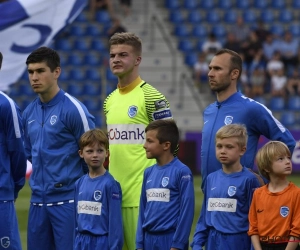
column 284, row 211
column 228, row 119
column 165, row 181
column 5, row 242
column 231, row 190
column 97, row 195
column 53, row 119
column 132, row 111
column 160, row 104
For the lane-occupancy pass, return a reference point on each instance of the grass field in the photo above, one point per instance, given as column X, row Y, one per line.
column 22, row 206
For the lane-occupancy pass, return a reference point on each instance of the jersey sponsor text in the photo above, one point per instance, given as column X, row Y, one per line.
column 221, row 204
column 89, row 207
column 126, row 133
column 158, row 194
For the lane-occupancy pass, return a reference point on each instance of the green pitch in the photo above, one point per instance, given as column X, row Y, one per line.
column 22, row 206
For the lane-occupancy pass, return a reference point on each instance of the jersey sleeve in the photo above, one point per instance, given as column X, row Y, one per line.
column 253, row 230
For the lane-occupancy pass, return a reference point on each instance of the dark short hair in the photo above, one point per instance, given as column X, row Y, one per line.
column 236, row 61
column 167, row 130
column 92, row 137
column 44, row 54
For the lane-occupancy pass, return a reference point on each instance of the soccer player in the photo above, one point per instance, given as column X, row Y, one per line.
column 129, row 109
column 274, row 215
column 98, row 198
column 167, row 200
column 223, row 222
column 13, row 170
column 233, row 107
column 53, row 124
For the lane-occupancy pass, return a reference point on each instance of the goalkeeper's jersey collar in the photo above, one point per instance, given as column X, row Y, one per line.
column 129, row 87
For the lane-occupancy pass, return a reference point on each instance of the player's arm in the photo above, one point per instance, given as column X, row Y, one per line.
column 255, row 242
column 187, row 207
column 293, row 243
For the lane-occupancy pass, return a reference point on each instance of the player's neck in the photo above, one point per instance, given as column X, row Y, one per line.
column 225, row 94
column 164, row 159
column 93, row 173
column 233, row 168
column 277, row 183
column 127, row 79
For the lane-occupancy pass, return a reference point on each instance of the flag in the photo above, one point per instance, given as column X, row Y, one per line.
column 26, row 25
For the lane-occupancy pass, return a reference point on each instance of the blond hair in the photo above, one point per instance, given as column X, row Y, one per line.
column 267, row 155
column 234, row 130
column 127, row 38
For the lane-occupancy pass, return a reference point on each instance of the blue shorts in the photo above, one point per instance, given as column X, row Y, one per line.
column 9, row 231
column 51, row 227
column 220, row 241
column 90, row 242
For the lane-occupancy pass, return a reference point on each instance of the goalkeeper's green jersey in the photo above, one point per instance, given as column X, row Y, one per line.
column 128, row 111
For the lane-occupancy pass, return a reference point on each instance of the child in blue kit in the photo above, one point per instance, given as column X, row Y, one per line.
column 167, row 199
column 223, row 222
column 98, row 198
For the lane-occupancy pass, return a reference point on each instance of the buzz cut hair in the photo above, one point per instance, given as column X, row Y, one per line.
column 267, row 154
column 93, row 137
column 127, row 38
column 239, row 131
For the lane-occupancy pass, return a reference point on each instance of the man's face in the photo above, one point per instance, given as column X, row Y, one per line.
column 123, row 59
column 219, row 74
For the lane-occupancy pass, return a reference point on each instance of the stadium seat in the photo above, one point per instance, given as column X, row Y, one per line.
column 77, row 74
column 75, row 89
column 278, row 4
column 261, row 4
column 26, row 90
column 77, row 30
column 288, row 119
column 199, row 44
column 177, row 16
column 110, row 77
column 286, row 16
column 92, row 88
column 277, row 104
column 294, row 28
column 249, row 16
column 185, row 45
column 181, row 30
column 191, row 4
column 82, row 17
column 207, row 4
column 92, row 104
column 277, row 29
column 219, row 30
column 191, row 59
column 92, row 59
column 98, row 45
column 103, row 16
column 230, row 16
column 64, row 75
column 81, row 45
column 225, row 4
column 93, row 30
column 98, row 121
column 63, row 44
column 93, row 74
column 243, row 4
column 194, row 17
column 172, row 4
column 75, row 59
column 200, row 31
column 267, row 16
column 261, row 100
column 294, row 103
column 213, row 16
column 296, row 4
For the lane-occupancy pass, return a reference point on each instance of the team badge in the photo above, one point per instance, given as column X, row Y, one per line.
column 160, row 104
column 165, row 181
column 5, row 242
column 284, row 211
column 97, row 195
column 53, row 119
column 231, row 190
column 228, row 119
column 132, row 111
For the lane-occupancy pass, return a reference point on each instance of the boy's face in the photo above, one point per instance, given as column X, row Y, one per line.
column 152, row 146
column 94, row 155
column 282, row 166
column 228, row 152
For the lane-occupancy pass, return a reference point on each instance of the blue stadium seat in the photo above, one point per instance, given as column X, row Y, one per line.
column 75, row 59
column 92, row 59
column 213, row 16
column 81, row 45
column 93, row 74
column 63, row 44
column 64, row 75
column 177, row 16
column 219, row 30
column 98, row 45
column 288, row 119
column 93, row 30
column 200, row 31
column 277, row 104
column 230, row 16
column 98, row 121
column 194, row 16
column 207, row 4
column 92, row 104
column 191, row 59
column 296, row 4
column 249, row 16
column 294, row 103
column 267, row 16
column 77, row 74
column 243, row 4
column 181, row 30
column 225, row 4
column 185, row 45
column 199, row 44
column 92, row 88
column 278, row 4
column 277, row 29
column 191, row 4
column 82, row 17
column 261, row 4
column 172, row 4
column 294, row 28
column 75, row 89
column 25, row 89
column 77, row 30
column 103, row 16
column 110, row 77
column 286, row 16
column 261, row 100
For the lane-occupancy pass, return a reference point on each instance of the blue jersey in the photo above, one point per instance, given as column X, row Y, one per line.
column 239, row 109
column 227, row 199
column 98, row 208
column 12, row 155
column 167, row 203
column 52, row 133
